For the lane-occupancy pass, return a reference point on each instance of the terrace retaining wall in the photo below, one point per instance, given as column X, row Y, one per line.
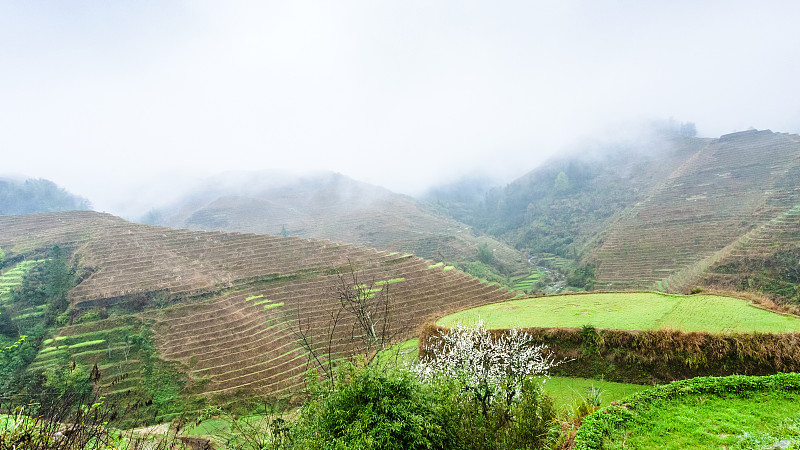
column 656, row 356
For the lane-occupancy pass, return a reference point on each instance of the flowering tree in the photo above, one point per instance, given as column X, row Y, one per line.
column 491, row 371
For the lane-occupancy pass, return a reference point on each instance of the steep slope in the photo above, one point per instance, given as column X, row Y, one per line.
column 225, row 306
column 670, row 213
column 766, row 260
column 699, row 213
column 557, row 212
column 335, row 207
column 561, row 207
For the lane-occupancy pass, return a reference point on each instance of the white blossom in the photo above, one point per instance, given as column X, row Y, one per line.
column 483, row 366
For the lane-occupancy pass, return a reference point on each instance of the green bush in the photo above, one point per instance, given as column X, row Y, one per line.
column 371, row 409
column 483, row 271
column 591, row 340
column 530, row 422
column 496, row 385
column 582, row 277
column 535, row 419
column 485, row 254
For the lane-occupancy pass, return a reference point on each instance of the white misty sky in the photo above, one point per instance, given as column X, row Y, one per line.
column 135, row 99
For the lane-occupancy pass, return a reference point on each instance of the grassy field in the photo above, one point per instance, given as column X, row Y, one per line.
column 630, row 311
column 401, row 354
column 735, row 412
column 567, row 392
column 702, row 421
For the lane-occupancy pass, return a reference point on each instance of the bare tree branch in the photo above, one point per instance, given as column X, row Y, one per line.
column 366, row 305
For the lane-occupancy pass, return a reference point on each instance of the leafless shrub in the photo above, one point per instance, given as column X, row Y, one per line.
column 361, row 325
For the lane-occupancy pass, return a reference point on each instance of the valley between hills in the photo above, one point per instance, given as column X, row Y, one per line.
column 228, row 296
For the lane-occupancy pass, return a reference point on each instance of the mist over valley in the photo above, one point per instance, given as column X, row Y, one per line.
column 283, row 225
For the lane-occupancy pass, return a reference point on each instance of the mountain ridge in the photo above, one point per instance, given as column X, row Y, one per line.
column 654, row 220
column 336, row 207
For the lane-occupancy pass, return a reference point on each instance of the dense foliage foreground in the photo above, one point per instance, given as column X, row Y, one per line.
column 477, row 393
column 472, row 391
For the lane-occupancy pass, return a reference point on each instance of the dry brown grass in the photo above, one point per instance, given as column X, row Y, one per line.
column 661, row 355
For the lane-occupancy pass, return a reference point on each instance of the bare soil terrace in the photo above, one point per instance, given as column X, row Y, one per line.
column 233, row 299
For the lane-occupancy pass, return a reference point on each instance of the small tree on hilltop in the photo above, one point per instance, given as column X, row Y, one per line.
column 562, row 182
column 688, row 129
column 485, row 254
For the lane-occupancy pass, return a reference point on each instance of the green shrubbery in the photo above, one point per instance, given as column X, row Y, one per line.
column 475, row 392
column 368, row 408
column 44, row 287
column 482, row 271
column 372, row 409
column 659, row 356
column 485, row 254
column 582, row 277
column 375, row 409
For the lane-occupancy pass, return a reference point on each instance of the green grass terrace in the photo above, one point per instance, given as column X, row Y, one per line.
column 630, row 311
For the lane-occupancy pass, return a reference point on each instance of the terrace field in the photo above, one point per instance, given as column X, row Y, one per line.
column 667, row 214
column 187, row 318
column 224, row 307
column 700, row 212
column 630, row 311
column 12, row 277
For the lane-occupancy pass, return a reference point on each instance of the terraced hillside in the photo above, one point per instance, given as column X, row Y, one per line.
column 246, row 336
column 223, row 305
column 668, row 212
column 558, row 212
column 715, row 203
column 764, row 260
column 343, row 210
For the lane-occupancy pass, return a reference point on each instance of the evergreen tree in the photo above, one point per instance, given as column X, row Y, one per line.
column 562, row 182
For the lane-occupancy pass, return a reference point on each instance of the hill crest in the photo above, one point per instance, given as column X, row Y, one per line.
column 335, row 207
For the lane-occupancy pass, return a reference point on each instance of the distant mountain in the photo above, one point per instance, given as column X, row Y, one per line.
column 670, row 213
column 459, row 198
column 561, row 206
column 37, row 196
column 333, row 206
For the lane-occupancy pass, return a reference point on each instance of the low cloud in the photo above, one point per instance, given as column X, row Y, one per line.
column 140, row 101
